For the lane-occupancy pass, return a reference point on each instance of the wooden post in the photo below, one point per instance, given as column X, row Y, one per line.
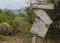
column 42, row 22
column 34, row 39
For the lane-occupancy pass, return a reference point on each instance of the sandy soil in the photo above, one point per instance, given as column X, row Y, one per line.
column 17, row 40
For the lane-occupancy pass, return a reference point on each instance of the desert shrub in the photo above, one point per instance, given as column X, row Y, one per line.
column 21, row 27
column 20, row 24
column 5, row 28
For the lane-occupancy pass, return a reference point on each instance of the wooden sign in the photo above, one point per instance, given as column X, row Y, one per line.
column 42, row 6
column 43, row 16
column 42, row 0
column 41, row 24
column 39, row 28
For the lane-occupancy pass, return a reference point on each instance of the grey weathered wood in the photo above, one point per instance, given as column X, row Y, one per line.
column 42, row 6
column 41, row 24
column 43, row 21
column 34, row 39
column 42, row 0
column 43, row 16
column 39, row 28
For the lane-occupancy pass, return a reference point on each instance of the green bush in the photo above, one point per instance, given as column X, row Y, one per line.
column 54, row 30
column 5, row 28
column 21, row 27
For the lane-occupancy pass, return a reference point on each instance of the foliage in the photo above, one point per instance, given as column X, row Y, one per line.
column 16, row 25
column 54, row 30
column 22, row 25
column 5, row 17
column 50, row 1
column 5, row 28
column 30, row 15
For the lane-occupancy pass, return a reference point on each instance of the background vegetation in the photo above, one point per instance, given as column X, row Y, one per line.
column 54, row 30
column 19, row 24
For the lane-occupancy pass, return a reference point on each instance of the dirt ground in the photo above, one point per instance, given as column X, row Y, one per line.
column 28, row 40
column 17, row 40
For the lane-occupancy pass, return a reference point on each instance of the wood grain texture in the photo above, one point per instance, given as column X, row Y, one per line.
column 41, row 25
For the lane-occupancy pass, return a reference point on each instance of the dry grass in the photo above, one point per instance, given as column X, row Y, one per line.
column 16, row 40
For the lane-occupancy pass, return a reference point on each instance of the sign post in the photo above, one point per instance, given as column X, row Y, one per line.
column 42, row 21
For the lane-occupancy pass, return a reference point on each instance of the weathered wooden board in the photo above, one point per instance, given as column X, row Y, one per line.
column 39, row 28
column 43, row 6
column 41, row 25
column 43, row 16
column 42, row 0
